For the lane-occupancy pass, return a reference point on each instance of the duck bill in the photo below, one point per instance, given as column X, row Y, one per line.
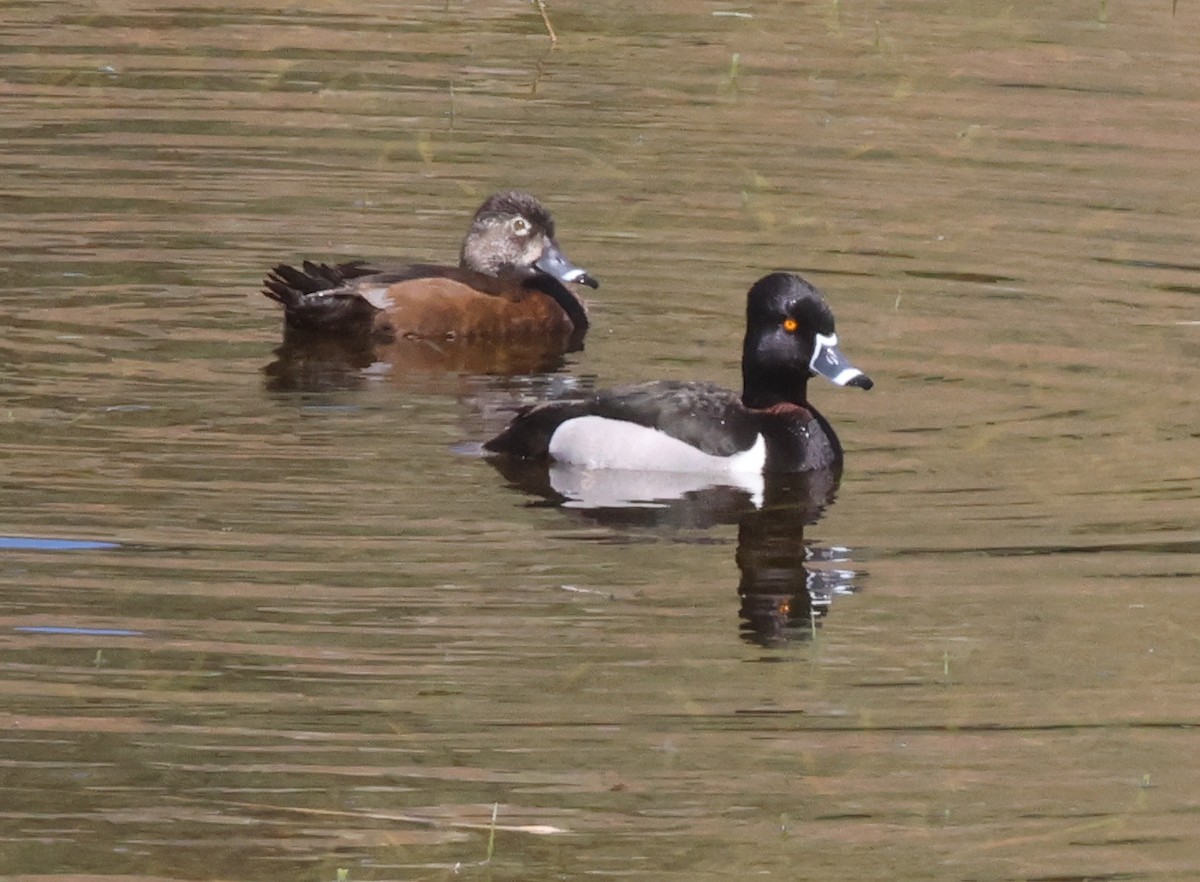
column 554, row 263
column 828, row 361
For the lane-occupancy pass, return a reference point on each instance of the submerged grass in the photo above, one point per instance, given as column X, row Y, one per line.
column 541, row 7
column 491, row 843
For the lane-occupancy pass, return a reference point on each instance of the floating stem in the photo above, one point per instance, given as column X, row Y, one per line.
column 541, row 7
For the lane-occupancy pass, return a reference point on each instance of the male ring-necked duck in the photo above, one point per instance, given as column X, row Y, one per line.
column 508, row 286
column 700, row 427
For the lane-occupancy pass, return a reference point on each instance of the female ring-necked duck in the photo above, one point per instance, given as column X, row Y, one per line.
column 508, row 286
column 700, row 427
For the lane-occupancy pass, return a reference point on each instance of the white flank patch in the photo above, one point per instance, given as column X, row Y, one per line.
column 376, row 296
column 600, row 443
column 622, row 488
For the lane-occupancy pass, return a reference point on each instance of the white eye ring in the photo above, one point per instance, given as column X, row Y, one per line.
column 520, row 225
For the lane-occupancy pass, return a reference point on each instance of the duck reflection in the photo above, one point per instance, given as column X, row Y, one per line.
column 787, row 583
column 313, row 363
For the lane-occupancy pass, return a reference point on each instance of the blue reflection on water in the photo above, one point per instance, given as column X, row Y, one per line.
column 35, row 544
column 81, row 632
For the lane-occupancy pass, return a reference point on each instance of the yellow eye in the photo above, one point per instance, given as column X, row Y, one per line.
column 790, row 325
column 520, row 225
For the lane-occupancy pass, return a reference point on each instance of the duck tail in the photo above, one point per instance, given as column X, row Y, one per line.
column 290, row 286
column 528, row 435
column 313, row 299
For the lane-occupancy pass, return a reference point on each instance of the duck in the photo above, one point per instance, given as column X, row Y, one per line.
column 510, row 285
column 699, row 427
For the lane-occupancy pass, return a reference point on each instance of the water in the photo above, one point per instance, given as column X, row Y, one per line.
column 259, row 627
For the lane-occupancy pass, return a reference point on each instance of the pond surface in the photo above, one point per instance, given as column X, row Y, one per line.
column 261, row 625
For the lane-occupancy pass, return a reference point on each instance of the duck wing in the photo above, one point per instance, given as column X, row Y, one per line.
column 703, row 415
